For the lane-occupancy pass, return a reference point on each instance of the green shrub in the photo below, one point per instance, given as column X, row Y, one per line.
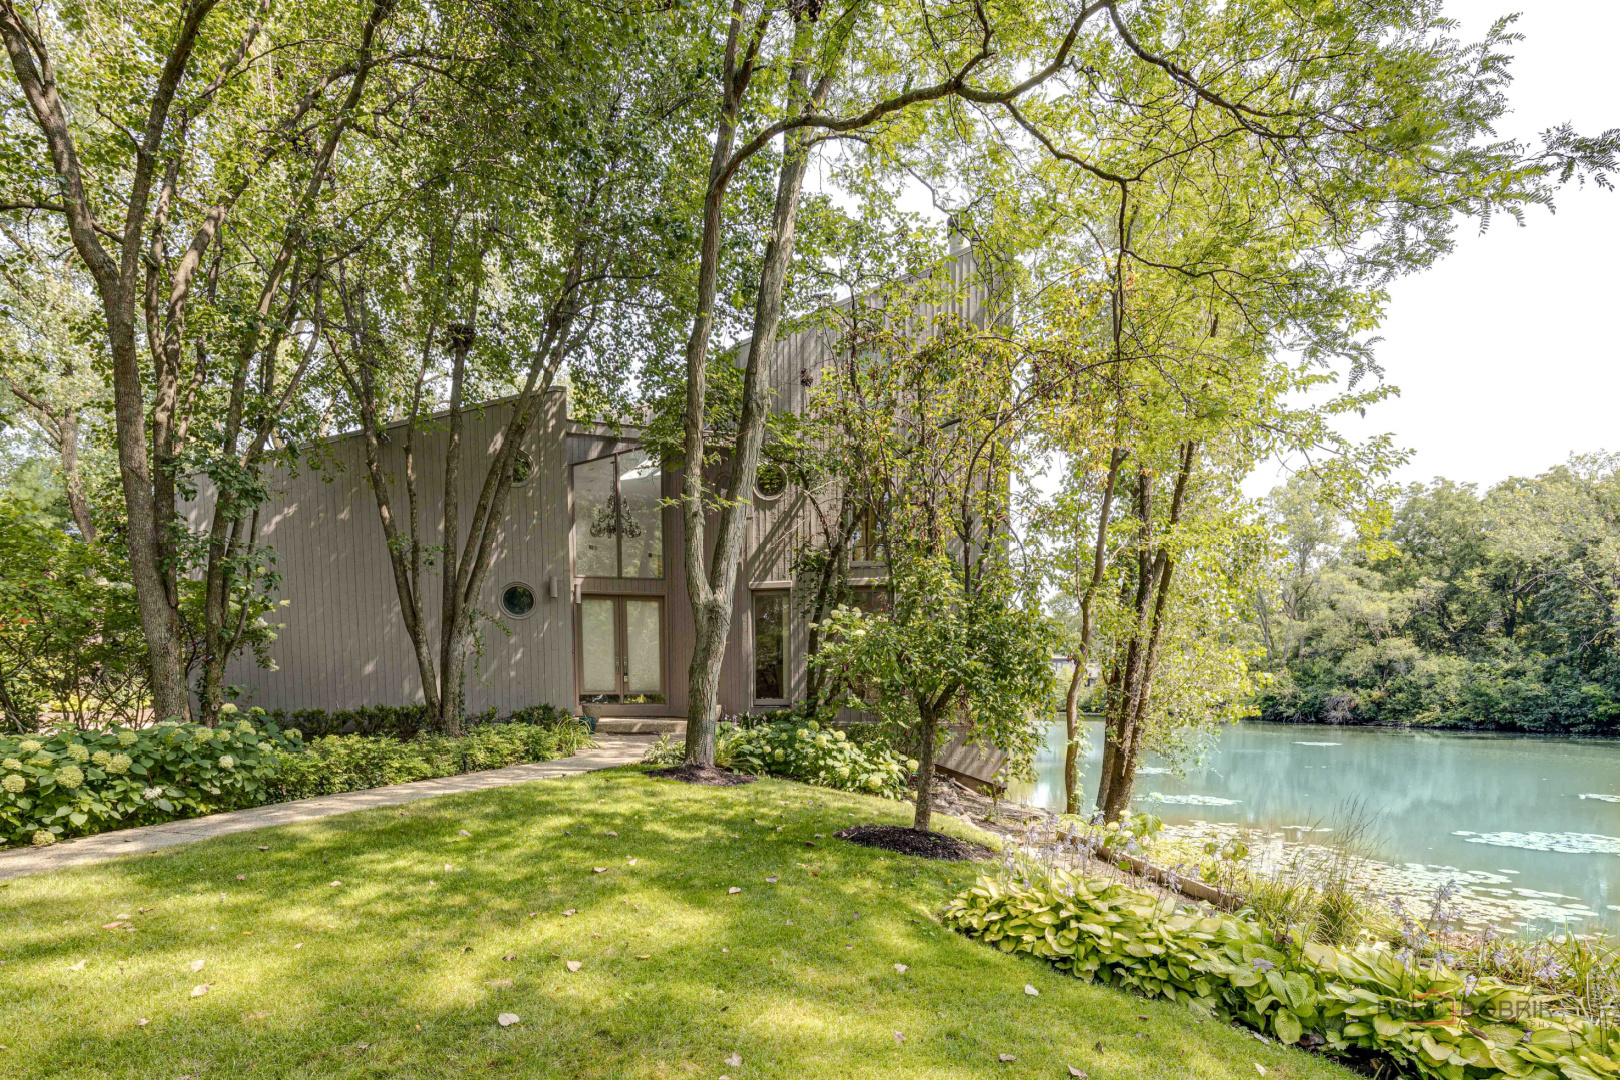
column 404, row 721
column 337, row 763
column 1363, row 1003
column 73, row 783
column 70, row 634
column 807, row 752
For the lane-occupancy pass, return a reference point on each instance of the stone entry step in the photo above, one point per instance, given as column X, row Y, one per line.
column 640, row 725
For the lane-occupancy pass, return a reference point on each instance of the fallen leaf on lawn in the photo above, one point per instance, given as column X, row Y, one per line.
column 507, row 1019
column 1005, row 1057
column 362, row 1046
column 333, row 884
column 599, row 869
column 630, row 862
column 770, row 881
column 464, row 832
column 112, row 925
column 1031, row 991
column 610, row 832
column 1261, row 1069
column 197, row 965
column 595, row 934
column 1261, row 1037
column 901, row 969
column 899, row 1038
column 779, row 828
column 734, row 1060
column 733, row 891
column 300, row 945
column 448, row 868
column 498, row 984
column 1098, row 1047
column 76, row 967
column 510, row 956
column 143, row 910
column 264, row 847
column 574, row 965
column 1141, row 1016
column 532, row 914
column 199, row 990
column 644, row 956
column 241, row 877
column 724, row 949
column 821, row 836
column 809, row 843
column 1078, row 1074
column 572, row 911
column 142, row 1022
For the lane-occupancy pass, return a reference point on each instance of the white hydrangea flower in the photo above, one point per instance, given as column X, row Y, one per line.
column 227, row 709
column 69, row 776
column 128, row 738
column 119, row 764
column 293, row 733
column 11, row 763
column 151, row 793
column 43, row 838
column 14, row 783
column 30, row 746
column 78, row 752
column 245, row 726
column 227, row 762
column 101, row 758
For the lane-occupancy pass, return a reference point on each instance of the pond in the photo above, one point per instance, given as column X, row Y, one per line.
column 1526, row 820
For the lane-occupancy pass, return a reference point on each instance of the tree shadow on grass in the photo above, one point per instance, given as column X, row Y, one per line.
column 402, row 969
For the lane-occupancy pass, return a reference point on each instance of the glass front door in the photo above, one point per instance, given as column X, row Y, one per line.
column 621, row 650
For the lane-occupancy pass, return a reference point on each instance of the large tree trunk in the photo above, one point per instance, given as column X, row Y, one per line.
column 712, row 594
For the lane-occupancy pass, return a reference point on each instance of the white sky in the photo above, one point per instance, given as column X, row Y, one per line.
column 1507, row 354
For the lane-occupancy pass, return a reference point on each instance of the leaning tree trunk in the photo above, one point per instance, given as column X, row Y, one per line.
column 1071, row 704
column 1142, row 659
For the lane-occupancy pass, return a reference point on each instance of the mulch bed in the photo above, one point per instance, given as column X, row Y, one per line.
column 703, row 775
column 928, row 845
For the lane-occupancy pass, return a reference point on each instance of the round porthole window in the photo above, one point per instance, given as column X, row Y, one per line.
column 770, row 481
column 522, row 469
column 518, row 600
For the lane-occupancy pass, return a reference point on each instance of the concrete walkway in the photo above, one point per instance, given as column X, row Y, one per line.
column 611, row 750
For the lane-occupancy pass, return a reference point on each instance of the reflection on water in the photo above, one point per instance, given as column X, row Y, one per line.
column 1544, row 811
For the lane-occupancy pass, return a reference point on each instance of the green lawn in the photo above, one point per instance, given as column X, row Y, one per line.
column 403, row 968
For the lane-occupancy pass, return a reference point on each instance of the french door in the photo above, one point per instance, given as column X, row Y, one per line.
column 621, row 650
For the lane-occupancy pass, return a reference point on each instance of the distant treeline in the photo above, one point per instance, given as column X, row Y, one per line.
column 1490, row 612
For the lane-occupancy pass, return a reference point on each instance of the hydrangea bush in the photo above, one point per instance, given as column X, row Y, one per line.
column 803, row 750
column 73, row 783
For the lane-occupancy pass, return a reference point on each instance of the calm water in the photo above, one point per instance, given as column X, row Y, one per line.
column 1535, row 817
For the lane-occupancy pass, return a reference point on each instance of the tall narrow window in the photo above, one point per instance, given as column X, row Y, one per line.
column 770, row 646
column 618, row 517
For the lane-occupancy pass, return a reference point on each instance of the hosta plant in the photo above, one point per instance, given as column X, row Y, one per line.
column 1366, row 1003
column 72, row 783
column 808, row 752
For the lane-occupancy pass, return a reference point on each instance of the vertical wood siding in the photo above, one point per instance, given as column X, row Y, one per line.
column 343, row 643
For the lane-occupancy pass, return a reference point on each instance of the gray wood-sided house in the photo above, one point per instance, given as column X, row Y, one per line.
column 586, row 597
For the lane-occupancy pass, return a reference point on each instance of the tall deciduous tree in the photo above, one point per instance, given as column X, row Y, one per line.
column 198, row 123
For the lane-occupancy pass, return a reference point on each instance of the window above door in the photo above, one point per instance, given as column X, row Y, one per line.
column 618, row 517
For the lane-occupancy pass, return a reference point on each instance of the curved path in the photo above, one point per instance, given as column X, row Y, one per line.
column 610, row 751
